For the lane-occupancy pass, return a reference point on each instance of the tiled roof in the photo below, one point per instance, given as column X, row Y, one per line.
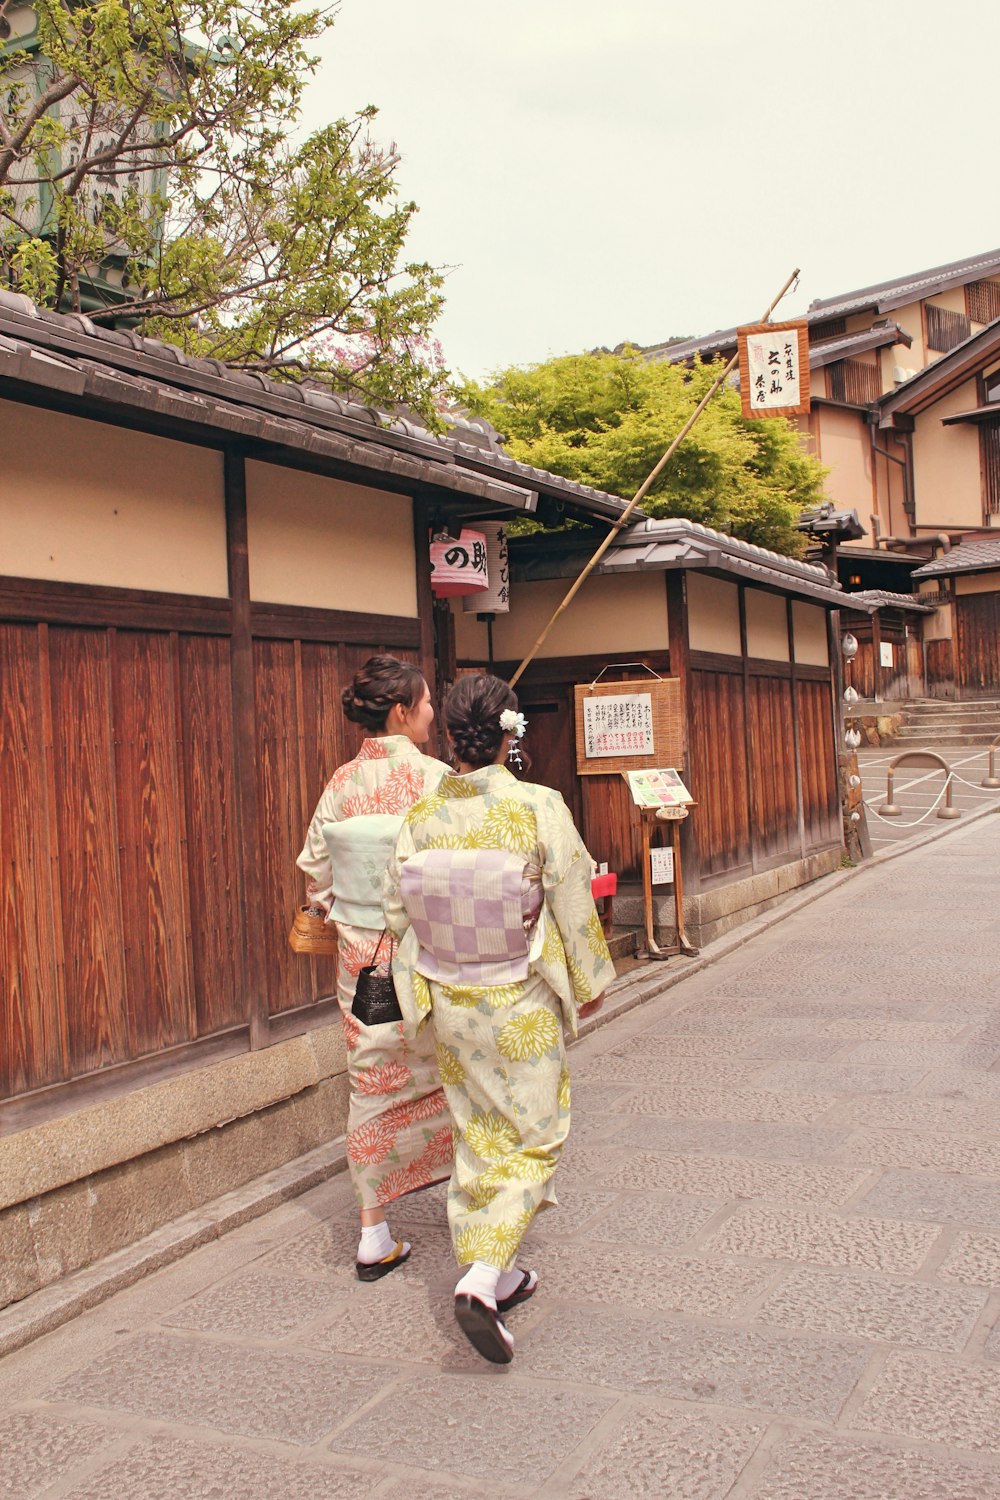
column 978, row 556
column 824, row 352
column 885, row 599
column 884, row 295
column 843, row 346
column 67, row 352
column 678, row 543
column 944, row 374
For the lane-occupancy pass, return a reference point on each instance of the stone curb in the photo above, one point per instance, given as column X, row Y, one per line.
column 49, row 1308
column 54, row 1305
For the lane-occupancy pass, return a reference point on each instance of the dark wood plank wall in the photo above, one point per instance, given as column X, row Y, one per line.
column 761, row 763
column 905, row 679
column 125, row 913
column 977, row 632
column 758, row 803
column 939, row 667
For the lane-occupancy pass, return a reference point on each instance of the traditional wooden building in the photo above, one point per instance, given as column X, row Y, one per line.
column 964, row 582
column 905, row 378
column 748, row 633
column 193, row 562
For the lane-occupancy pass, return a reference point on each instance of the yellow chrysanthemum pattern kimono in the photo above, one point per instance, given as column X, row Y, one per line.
column 500, row 1049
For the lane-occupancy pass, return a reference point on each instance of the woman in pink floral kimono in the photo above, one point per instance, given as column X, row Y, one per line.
column 398, row 1125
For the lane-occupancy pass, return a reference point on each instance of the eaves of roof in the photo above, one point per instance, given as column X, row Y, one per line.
column 846, row 345
column 883, row 296
column 934, row 381
column 886, row 599
column 970, row 557
column 665, row 545
column 115, row 368
column 825, row 352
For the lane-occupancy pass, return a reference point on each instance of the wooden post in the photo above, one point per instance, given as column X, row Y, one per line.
column 748, row 742
column 877, row 682
column 250, row 840
column 425, row 608
column 796, row 726
column 680, row 667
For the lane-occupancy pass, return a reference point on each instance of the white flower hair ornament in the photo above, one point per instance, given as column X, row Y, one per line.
column 514, row 724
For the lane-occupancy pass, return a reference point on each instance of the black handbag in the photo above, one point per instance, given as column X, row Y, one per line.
column 375, row 1002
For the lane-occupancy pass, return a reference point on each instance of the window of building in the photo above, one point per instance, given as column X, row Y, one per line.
column 989, row 452
column 855, row 380
column 982, row 301
column 945, row 329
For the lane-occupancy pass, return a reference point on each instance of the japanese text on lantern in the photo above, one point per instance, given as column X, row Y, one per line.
column 774, row 369
column 618, row 726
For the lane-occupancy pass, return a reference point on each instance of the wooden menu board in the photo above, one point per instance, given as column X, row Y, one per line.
column 640, row 728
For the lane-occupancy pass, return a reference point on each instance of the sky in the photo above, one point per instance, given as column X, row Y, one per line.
column 591, row 173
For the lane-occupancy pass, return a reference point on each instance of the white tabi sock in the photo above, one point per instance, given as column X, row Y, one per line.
column 509, row 1282
column 480, row 1280
column 376, row 1243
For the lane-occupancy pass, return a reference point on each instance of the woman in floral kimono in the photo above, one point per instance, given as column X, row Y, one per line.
column 502, row 949
column 398, row 1127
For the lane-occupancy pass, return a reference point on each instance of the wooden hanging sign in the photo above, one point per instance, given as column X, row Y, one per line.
column 774, row 369
column 628, row 726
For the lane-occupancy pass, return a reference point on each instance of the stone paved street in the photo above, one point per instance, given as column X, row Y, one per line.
column 774, row 1274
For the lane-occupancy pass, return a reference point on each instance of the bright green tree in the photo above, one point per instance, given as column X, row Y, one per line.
column 150, row 173
column 606, row 419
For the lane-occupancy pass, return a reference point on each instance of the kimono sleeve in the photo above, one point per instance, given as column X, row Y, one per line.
column 392, row 906
column 566, row 878
column 314, row 860
column 412, row 990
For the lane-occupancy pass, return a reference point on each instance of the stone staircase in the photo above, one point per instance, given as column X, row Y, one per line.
column 939, row 725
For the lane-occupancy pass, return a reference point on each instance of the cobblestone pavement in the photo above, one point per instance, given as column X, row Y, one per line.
column 774, row 1274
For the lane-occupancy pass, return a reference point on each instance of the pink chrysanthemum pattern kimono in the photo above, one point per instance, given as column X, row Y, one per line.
column 399, row 1134
column 500, row 1047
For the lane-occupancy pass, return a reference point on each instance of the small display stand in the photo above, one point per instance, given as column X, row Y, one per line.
column 661, row 797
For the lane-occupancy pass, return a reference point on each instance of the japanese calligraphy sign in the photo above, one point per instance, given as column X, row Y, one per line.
column 774, row 369
column 628, row 725
column 618, row 726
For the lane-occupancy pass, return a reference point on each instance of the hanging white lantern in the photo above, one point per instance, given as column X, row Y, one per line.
column 458, row 567
column 849, row 646
column 496, row 598
column 852, row 739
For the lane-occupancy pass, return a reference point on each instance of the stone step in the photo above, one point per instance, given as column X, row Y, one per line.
column 941, row 741
column 989, row 727
column 959, row 711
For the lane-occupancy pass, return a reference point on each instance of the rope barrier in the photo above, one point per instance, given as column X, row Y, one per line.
column 893, row 821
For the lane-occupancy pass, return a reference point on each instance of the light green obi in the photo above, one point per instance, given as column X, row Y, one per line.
column 360, row 849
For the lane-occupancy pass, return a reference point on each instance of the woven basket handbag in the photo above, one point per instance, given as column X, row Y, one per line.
column 312, row 934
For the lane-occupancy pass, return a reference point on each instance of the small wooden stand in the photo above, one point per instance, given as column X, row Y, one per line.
column 647, row 817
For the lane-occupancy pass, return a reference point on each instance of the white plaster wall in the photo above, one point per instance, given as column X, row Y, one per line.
column 86, row 502
column 767, row 625
column 811, row 640
column 946, row 468
column 978, row 583
column 713, row 614
column 611, row 614
column 324, row 544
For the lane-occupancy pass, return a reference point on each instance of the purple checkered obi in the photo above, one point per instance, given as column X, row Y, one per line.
column 473, row 911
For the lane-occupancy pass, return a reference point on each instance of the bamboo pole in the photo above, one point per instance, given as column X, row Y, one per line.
column 643, row 490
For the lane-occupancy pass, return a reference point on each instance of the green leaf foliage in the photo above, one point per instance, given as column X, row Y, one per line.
column 151, row 174
column 606, row 420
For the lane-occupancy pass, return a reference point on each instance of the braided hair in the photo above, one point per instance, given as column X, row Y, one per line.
column 472, row 712
column 381, row 683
